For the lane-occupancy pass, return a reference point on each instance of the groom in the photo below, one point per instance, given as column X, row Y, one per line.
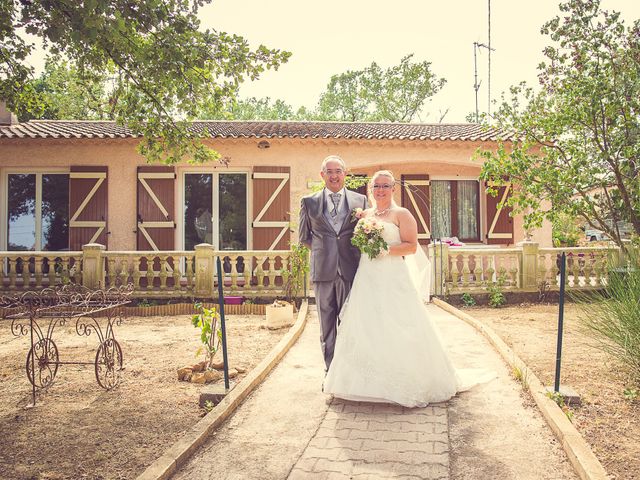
column 326, row 227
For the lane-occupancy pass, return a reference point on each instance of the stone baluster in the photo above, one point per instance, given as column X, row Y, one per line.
column 477, row 270
column 248, row 267
column 150, row 273
column 542, row 274
column 588, row 269
column 600, row 268
column 26, row 274
column 513, row 271
column 37, row 271
column 136, row 274
column 260, row 272
column 233, row 259
column 177, row 274
column 112, row 271
column 51, row 274
column 11, row 270
column 164, row 271
column 465, row 270
column 189, row 272
column 123, row 274
column 502, row 270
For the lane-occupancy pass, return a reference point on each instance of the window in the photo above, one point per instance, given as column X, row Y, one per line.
column 455, row 209
column 215, row 210
column 38, row 211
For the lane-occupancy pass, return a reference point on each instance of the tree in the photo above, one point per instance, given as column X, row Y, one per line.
column 395, row 94
column 162, row 66
column 577, row 138
column 66, row 95
column 252, row 109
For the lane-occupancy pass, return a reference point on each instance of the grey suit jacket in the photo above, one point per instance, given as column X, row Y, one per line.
column 330, row 251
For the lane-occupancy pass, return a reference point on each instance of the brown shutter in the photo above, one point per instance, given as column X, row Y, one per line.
column 156, row 208
column 271, row 208
column 87, row 206
column 500, row 223
column 416, row 198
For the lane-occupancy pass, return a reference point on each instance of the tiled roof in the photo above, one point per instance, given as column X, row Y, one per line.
column 266, row 129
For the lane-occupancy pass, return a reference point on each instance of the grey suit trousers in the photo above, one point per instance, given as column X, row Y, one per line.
column 330, row 296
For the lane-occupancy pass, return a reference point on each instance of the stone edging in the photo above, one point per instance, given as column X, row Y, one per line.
column 584, row 462
column 179, row 452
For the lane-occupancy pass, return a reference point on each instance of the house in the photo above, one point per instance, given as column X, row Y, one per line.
column 64, row 184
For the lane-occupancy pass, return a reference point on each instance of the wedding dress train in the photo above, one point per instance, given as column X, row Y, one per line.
column 387, row 347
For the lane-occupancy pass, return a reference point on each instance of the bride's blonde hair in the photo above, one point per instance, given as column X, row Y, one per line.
column 380, row 173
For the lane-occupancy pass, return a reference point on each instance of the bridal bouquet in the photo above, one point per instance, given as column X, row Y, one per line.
column 367, row 236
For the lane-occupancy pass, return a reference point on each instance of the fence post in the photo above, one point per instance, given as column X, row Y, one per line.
column 529, row 267
column 205, row 269
column 93, row 265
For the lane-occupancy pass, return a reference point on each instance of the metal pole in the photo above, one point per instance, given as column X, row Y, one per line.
column 563, row 269
column 222, row 323
column 489, row 73
column 475, row 77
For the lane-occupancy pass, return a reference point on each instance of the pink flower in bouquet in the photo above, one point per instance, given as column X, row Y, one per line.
column 357, row 213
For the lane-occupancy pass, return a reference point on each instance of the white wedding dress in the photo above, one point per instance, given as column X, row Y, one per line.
column 387, row 348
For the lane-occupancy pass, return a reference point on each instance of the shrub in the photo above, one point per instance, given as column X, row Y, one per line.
column 210, row 333
column 468, row 300
column 612, row 316
column 496, row 296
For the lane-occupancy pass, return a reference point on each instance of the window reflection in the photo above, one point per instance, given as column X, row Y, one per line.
column 21, row 230
column 55, row 212
column 198, row 224
column 233, row 211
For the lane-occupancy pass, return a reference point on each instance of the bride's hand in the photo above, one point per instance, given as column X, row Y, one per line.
column 384, row 252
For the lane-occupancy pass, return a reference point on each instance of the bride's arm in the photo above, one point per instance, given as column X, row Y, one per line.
column 408, row 234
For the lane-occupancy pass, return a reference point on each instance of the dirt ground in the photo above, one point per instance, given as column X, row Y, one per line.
column 609, row 422
column 80, row 431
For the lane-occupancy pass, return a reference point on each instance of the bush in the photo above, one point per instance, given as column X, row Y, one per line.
column 496, row 296
column 612, row 316
column 468, row 300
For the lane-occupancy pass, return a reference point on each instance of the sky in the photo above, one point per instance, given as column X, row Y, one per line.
column 333, row 36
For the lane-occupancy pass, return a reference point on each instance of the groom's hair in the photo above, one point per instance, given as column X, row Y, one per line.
column 332, row 158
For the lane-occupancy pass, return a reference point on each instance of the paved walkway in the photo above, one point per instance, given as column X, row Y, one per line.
column 288, row 429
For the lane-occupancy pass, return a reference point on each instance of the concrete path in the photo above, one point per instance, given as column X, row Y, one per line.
column 288, row 429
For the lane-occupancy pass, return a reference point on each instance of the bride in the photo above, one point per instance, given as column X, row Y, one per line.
column 387, row 347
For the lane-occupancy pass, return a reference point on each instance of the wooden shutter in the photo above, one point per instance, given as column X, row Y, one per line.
column 417, row 199
column 500, row 223
column 271, row 208
column 87, row 206
column 156, row 208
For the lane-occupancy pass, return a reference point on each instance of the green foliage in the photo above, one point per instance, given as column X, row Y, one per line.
column 162, row 66
column 566, row 231
column 558, row 398
column 576, row 145
column 631, row 394
column 612, row 316
column 395, row 94
column 298, row 269
column 145, row 302
column 210, row 333
column 468, row 300
column 496, row 296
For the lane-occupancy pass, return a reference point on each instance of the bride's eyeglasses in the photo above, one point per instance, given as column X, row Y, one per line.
column 383, row 186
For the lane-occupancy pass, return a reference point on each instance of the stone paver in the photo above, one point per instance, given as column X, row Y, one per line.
column 372, row 440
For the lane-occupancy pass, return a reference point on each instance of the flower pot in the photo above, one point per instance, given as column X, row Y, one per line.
column 279, row 315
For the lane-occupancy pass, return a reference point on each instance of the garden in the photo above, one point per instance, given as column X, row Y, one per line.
column 78, row 430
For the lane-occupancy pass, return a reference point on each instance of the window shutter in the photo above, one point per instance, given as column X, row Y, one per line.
column 156, row 208
column 271, row 208
column 499, row 221
column 87, row 206
column 416, row 198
